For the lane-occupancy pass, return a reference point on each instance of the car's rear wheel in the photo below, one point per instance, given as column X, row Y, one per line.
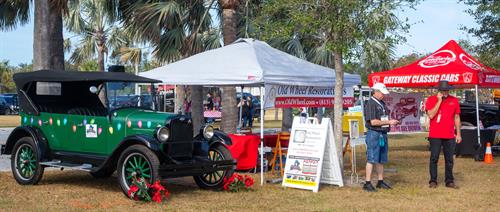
column 137, row 161
column 215, row 180
column 25, row 163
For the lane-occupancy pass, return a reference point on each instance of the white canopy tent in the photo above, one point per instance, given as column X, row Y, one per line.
column 247, row 62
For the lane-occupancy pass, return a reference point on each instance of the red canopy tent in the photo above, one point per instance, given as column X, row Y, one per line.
column 449, row 63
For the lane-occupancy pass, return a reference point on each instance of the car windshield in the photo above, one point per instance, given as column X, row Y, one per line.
column 129, row 94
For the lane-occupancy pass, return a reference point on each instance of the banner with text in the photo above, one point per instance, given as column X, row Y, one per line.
column 405, row 109
column 286, row 96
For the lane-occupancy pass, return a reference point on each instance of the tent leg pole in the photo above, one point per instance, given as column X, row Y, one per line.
column 261, row 137
column 241, row 110
column 362, row 99
column 477, row 117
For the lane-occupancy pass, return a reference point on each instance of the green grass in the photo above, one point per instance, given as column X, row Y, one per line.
column 77, row 191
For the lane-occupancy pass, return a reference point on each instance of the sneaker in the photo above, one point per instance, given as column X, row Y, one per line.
column 382, row 184
column 433, row 185
column 369, row 187
column 451, row 185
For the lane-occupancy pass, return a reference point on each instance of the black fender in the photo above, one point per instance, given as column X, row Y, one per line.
column 219, row 137
column 202, row 145
column 149, row 141
column 28, row 131
column 222, row 137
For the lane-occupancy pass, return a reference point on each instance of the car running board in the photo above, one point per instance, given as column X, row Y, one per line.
column 58, row 164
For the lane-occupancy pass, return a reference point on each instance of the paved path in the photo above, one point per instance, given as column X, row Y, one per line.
column 4, row 159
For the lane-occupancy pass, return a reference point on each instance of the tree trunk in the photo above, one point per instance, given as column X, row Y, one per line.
column 197, row 107
column 48, row 42
column 179, row 99
column 101, row 49
column 337, row 108
column 100, row 58
column 286, row 120
column 229, row 109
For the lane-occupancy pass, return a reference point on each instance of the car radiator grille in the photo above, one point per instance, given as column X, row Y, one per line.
column 180, row 144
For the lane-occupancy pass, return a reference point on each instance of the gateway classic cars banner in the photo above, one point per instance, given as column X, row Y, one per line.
column 286, row 96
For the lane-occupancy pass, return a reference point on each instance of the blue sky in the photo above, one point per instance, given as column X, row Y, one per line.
column 434, row 23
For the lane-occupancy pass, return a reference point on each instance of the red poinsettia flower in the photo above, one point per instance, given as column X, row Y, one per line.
column 157, row 197
column 157, row 187
column 239, row 177
column 248, row 181
column 228, row 182
column 132, row 190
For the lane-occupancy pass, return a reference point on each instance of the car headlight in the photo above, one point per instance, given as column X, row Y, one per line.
column 208, row 132
column 162, row 134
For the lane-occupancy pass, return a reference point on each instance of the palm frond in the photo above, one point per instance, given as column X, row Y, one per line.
column 212, row 39
column 14, row 13
column 73, row 20
column 67, row 45
column 129, row 55
column 85, row 51
column 321, row 55
column 170, row 46
column 294, row 47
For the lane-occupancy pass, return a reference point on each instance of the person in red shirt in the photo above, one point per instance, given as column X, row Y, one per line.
column 444, row 114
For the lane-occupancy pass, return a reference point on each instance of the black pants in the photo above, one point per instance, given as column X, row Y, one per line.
column 448, row 150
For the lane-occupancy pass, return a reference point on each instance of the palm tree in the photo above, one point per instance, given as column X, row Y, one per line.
column 99, row 32
column 132, row 55
column 176, row 29
column 48, row 41
column 229, row 30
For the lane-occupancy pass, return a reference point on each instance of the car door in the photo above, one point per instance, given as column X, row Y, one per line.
column 75, row 129
column 88, row 132
column 93, row 138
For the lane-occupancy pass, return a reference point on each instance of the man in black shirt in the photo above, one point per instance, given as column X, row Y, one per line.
column 378, row 124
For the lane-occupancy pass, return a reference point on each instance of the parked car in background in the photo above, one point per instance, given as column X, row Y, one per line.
column 4, row 106
column 12, row 102
column 489, row 114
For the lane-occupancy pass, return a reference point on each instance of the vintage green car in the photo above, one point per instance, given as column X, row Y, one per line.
column 99, row 122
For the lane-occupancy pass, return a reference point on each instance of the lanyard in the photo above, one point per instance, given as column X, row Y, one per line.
column 376, row 100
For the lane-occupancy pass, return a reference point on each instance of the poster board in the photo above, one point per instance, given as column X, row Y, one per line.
column 404, row 107
column 313, row 156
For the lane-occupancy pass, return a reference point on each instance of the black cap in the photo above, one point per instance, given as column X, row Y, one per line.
column 444, row 86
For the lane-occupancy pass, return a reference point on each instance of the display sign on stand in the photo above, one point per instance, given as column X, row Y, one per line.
column 286, row 96
column 404, row 107
column 313, row 156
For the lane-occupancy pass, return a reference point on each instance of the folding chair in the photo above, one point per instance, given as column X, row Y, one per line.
column 279, row 151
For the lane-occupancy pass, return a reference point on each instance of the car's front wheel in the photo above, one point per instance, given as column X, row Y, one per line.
column 215, row 180
column 137, row 161
column 25, row 163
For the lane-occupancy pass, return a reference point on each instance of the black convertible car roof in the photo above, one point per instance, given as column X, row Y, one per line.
column 77, row 76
